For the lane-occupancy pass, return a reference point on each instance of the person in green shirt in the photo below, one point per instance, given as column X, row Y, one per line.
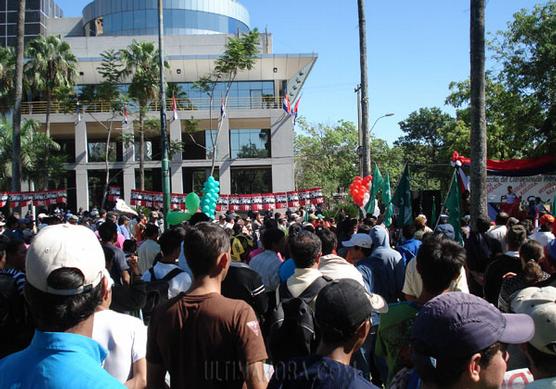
column 439, row 263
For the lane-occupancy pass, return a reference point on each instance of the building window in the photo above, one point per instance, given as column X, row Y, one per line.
column 251, row 180
column 153, row 179
column 198, row 144
column 96, row 151
column 250, row 143
column 194, row 178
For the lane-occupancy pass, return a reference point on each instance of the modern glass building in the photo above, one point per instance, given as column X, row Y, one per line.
column 254, row 149
column 181, row 17
column 37, row 14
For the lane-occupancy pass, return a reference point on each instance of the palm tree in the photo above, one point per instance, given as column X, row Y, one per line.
column 478, row 115
column 16, row 165
column 40, row 158
column 7, row 76
column 51, row 66
column 140, row 62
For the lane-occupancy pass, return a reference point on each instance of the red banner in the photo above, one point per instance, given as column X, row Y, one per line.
column 41, row 198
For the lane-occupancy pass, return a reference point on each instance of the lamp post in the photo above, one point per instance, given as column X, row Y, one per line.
column 373, row 126
column 163, row 130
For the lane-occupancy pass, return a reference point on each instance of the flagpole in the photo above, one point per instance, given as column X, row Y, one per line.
column 163, row 130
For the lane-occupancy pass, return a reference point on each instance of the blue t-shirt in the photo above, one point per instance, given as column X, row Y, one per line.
column 317, row 372
column 287, row 268
column 57, row 360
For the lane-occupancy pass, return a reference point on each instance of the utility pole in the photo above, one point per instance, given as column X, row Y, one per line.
column 366, row 158
column 357, row 90
column 16, row 124
column 478, row 114
column 163, row 130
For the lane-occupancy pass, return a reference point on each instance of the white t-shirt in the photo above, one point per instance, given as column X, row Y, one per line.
column 146, row 254
column 413, row 284
column 176, row 285
column 125, row 339
column 543, row 237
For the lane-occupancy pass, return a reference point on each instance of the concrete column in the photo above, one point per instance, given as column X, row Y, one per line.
column 81, row 143
column 281, row 133
column 223, row 155
column 129, row 182
column 129, row 159
column 129, row 151
column 176, row 176
column 82, row 188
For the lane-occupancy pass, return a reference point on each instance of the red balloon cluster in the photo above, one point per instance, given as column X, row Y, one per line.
column 358, row 188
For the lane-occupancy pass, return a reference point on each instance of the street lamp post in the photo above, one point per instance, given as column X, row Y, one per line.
column 163, row 130
column 372, row 128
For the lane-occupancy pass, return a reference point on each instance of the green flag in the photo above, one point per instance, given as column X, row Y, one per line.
column 375, row 188
column 402, row 200
column 453, row 206
column 387, row 201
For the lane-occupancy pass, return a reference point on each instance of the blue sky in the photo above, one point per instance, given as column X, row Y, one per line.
column 415, row 49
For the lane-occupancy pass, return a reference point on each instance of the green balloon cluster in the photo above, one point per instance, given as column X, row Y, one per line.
column 192, row 202
column 211, row 191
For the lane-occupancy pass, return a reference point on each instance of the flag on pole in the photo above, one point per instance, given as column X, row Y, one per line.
column 296, row 110
column 453, row 206
column 174, row 109
column 433, row 211
column 403, row 200
column 375, row 188
column 126, row 118
column 222, row 109
column 387, row 201
column 286, row 105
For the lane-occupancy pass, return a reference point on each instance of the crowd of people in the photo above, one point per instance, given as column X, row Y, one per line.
column 275, row 300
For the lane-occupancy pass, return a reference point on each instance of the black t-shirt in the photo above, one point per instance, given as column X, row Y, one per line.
column 243, row 283
column 495, row 272
column 119, row 264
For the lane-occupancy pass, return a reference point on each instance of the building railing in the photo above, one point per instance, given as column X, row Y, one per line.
column 183, row 104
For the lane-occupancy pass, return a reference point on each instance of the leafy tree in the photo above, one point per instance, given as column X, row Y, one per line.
column 7, row 77
column 239, row 55
column 51, row 66
column 527, row 52
column 141, row 63
column 41, row 159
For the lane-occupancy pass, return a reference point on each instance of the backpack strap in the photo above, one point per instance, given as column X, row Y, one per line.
column 172, row 274
column 151, row 271
column 315, row 287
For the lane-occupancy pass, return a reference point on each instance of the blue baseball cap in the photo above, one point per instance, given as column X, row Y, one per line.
column 456, row 325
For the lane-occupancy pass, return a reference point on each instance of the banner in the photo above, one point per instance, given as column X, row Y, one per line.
column 222, row 203
column 114, row 193
column 257, row 202
column 316, row 196
column 281, row 200
column 293, row 199
column 42, row 198
column 543, row 186
column 245, row 202
column 304, row 197
column 269, row 201
column 234, row 201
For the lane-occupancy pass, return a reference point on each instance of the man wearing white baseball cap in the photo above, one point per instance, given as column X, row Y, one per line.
column 540, row 304
column 65, row 283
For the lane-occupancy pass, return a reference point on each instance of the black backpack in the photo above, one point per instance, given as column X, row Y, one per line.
column 157, row 292
column 15, row 325
column 292, row 323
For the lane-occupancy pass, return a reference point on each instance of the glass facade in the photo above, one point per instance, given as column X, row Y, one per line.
column 96, row 151
column 250, row 143
column 181, row 17
column 251, row 180
column 198, row 145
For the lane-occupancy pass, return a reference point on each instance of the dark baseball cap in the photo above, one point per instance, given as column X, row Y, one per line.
column 456, row 325
column 344, row 304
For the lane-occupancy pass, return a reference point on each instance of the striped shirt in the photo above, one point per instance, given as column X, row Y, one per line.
column 18, row 276
column 267, row 265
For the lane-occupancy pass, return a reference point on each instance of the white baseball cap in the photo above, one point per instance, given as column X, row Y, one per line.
column 359, row 240
column 540, row 304
column 64, row 246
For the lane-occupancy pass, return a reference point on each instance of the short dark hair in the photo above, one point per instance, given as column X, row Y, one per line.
column 53, row 313
column 271, row 236
column 107, row 230
column 439, row 262
column 516, row 237
column 294, row 229
column 169, row 241
column 151, row 230
column 447, row 373
column 502, row 218
column 129, row 246
column 408, row 231
column 328, row 240
column 483, row 224
column 13, row 245
column 109, row 255
column 202, row 245
column 199, row 217
column 364, row 229
column 305, row 248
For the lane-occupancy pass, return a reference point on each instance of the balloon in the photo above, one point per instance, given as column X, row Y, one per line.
column 177, row 217
column 192, row 202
